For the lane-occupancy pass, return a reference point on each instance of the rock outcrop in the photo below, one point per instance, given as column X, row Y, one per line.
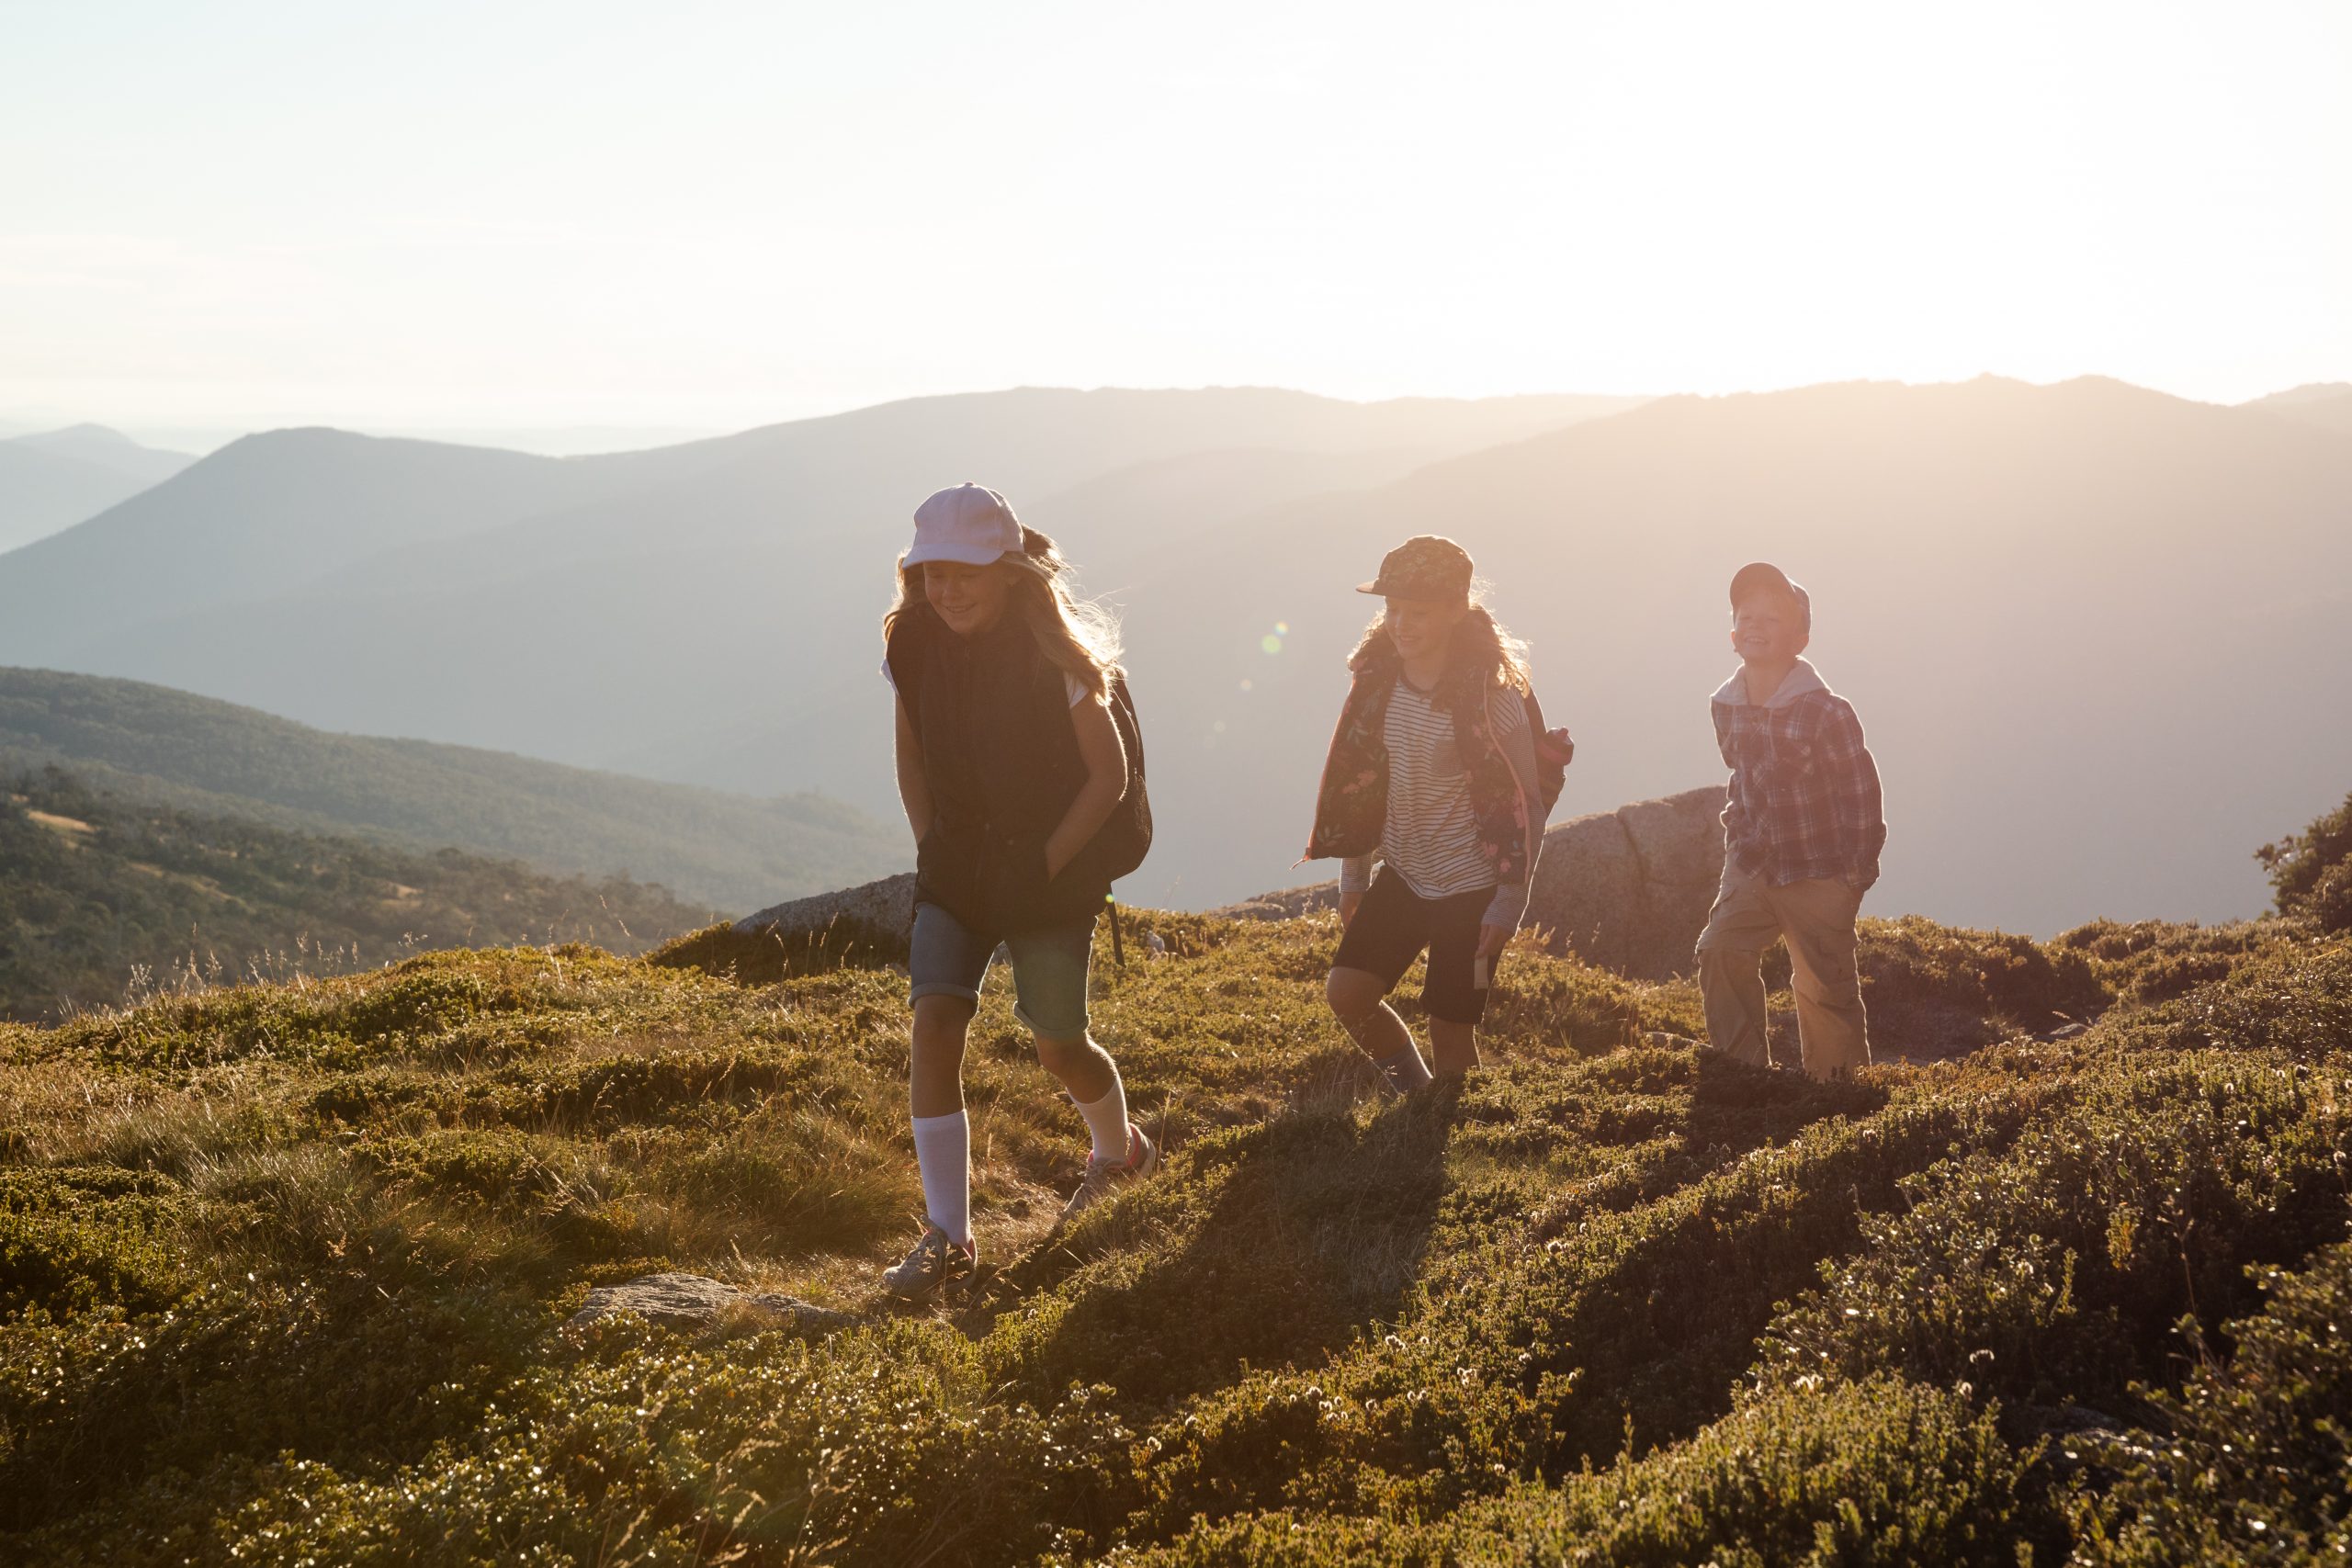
column 877, row 913
column 689, row 1301
column 1628, row 889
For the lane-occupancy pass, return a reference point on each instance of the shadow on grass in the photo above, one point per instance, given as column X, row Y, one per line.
column 1273, row 1245
column 1736, row 1108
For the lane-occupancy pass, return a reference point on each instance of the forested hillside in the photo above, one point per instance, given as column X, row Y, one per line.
column 730, row 852
column 103, row 898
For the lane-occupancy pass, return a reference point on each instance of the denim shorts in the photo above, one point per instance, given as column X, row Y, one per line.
column 949, row 959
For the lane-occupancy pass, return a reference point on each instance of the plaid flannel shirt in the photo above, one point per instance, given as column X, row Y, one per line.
column 1804, row 790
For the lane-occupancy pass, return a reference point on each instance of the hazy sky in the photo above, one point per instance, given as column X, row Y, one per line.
column 718, row 215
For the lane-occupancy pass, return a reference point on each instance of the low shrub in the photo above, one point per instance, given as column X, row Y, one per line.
column 1883, row 1471
column 2054, row 1270
column 2311, row 872
column 2294, row 998
column 1936, row 990
column 1878, row 1472
column 2154, row 961
column 78, row 1237
column 879, row 1448
column 2255, row 1465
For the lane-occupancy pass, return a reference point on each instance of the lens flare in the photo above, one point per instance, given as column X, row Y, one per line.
column 1270, row 643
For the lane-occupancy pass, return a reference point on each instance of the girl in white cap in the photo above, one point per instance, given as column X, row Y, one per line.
column 1017, row 783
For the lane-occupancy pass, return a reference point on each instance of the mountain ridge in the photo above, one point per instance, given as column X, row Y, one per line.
column 53, row 479
column 1979, row 548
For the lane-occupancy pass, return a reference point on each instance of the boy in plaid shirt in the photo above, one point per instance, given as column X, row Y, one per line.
column 1802, row 836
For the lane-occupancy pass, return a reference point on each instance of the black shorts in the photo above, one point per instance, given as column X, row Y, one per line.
column 1392, row 926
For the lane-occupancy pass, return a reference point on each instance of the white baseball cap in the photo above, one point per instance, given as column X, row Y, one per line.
column 969, row 524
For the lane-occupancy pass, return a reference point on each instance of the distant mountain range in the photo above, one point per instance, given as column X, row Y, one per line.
column 2327, row 404
column 2097, row 635
column 723, row 852
column 701, row 612
column 2096, row 631
column 54, row 478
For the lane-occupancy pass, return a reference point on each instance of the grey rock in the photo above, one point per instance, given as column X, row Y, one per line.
column 1627, row 889
column 690, row 1301
column 2086, row 1442
column 883, row 911
column 1283, row 903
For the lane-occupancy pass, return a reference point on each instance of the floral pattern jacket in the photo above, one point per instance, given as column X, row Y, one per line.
column 1351, row 803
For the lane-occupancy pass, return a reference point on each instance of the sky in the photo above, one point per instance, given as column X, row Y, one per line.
column 705, row 215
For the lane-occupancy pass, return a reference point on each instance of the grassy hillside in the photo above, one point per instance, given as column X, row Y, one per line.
column 100, row 896
column 729, row 852
column 284, row 1271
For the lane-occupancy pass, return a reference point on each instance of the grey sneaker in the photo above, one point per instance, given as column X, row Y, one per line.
column 1104, row 1177
column 937, row 1268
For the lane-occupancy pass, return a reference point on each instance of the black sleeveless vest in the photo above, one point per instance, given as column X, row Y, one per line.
column 1000, row 757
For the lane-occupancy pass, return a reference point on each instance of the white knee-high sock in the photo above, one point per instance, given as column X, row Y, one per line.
column 943, row 1155
column 1106, row 1119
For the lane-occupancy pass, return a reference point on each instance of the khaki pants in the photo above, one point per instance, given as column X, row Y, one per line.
column 1816, row 917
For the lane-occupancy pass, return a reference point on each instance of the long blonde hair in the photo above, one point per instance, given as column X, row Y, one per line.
column 1078, row 637
column 1479, row 648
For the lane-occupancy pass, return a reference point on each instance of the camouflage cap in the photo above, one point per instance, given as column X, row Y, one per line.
column 1427, row 566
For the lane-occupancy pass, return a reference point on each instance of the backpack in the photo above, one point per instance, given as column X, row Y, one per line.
column 1554, row 752
column 1121, row 843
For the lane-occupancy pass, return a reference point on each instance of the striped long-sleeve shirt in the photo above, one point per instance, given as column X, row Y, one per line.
column 1431, row 836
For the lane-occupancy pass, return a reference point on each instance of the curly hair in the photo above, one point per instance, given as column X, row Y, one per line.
column 1479, row 645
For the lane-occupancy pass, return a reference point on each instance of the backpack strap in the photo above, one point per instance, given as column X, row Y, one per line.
column 1554, row 751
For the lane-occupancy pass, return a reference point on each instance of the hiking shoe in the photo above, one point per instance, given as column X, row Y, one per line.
column 937, row 1268
column 1103, row 1176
